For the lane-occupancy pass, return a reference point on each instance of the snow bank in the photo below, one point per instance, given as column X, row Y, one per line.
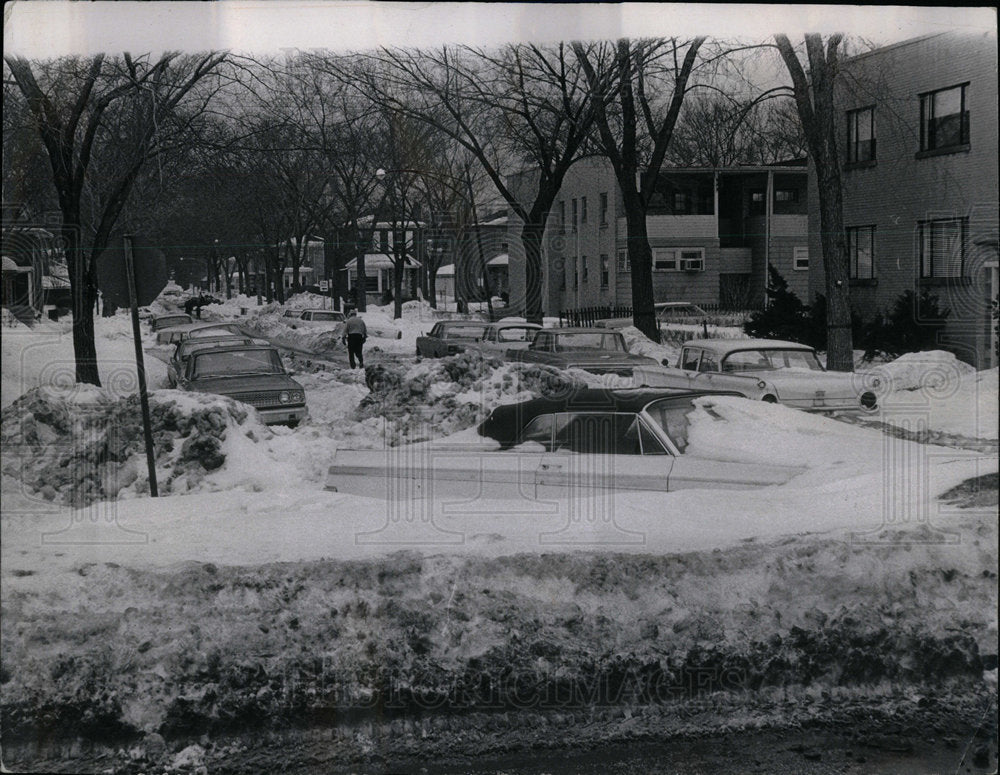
column 83, row 445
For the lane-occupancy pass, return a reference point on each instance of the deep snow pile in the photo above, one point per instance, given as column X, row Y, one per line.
column 439, row 397
column 75, row 447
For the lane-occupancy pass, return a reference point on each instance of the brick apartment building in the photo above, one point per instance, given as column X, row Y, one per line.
column 919, row 145
column 712, row 233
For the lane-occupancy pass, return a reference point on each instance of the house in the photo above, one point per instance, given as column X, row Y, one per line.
column 391, row 242
column 712, row 232
column 919, row 158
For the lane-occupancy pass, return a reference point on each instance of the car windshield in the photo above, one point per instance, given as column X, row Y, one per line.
column 771, row 360
column 464, row 332
column 335, row 317
column 230, row 363
column 672, row 416
column 586, row 340
column 518, row 334
column 682, row 311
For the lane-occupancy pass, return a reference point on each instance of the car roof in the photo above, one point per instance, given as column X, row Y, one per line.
column 216, row 341
column 237, row 346
column 317, row 309
column 505, row 422
column 513, row 324
column 582, row 330
column 723, row 346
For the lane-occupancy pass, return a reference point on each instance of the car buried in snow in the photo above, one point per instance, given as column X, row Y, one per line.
column 771, row 370
column 448, row 337
column 252, row 374
column 180, row 333
column 599, row 351
column 160, row 322
column 320, row 319
column 586, row 442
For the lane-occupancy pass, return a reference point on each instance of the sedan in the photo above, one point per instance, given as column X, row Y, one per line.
column 252, row 374
column 500, row 337
column 589, row 442
column 596, row 350
column 177, row 364
column 197, row 331
column 159, row 322
column 448, row 337
column 769, row 369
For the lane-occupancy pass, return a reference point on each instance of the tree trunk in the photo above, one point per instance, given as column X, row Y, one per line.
column 531, row 237
column 641, row 260
column 397, row 286
column 840, row 344
column 83, row 290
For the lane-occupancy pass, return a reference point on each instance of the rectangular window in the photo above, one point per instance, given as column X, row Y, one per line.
column 583, row 269
column 572, row 268
column 944, row 119
column 942, row 247
column 786, row 195
column 680, row 202
column 800, row 258
column 861, row 252
column 861, row 135
column 562, row 216
column 574, row 216
column 624, row 265
column 583, row 209
column 605, row 270
column 604, row 209
column 664, row 260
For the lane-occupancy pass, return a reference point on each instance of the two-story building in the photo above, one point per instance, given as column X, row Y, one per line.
column 712, row 232
column 919, row 156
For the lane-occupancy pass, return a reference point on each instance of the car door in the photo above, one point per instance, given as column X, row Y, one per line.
column 596, row 454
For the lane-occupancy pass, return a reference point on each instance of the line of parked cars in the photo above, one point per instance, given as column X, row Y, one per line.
column 223, row 359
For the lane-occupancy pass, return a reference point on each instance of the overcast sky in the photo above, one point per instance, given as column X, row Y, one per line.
column 46, row 29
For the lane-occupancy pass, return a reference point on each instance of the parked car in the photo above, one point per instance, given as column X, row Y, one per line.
column 769, row 369
column 679, row 312
column 500, row 337
column 252, row 374
column 291, row 313
column 597, row 350
column 159, row 322
column 324, row 319
column 196, row 331
column 448, row 337
column 177, row 364
column 590, row 442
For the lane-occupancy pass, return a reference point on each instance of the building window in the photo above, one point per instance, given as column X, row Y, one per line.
column 572, row 267
column 861, row 135
column 786, row 195
column 604, row 209
column 574, row 215
column 861, row 252
column 583, row 209
column 583, row 269
column 664, row 260
column 605, row 270
column 562, row 216
column 680, row 202
column 944, row 119
column 942, row 247
column 624, row 265
column 800, row 258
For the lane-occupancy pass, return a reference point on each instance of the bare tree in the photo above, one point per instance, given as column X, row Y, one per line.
column 627, row 80
column 814, row 101
column 523, row 112
column 81, row 105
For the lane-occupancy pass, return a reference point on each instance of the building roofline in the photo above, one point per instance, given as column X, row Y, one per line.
column 894, row 46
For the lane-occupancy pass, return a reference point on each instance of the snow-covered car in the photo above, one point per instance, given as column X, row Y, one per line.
column 599, row 351
column 252, row 374
column 769, row 369
column 159, row 322
column 177, row 364
column 500, row 337
column 291, row 313
column 448, row 337
column 196, row 331
column 585, row 443
column 320, row 319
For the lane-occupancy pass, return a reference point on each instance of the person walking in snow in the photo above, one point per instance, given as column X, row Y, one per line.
column 355, row 334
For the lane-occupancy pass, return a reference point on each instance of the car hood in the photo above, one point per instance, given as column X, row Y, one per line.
column 251, row 383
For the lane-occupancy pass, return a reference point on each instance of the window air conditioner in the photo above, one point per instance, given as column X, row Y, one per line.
column 693, row 264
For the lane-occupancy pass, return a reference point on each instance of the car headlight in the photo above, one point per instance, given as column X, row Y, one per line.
column 284, row 397
column 298, row 397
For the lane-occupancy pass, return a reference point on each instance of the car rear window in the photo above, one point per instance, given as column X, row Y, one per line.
column 464, row 332
column 672, row 416
column 335, row 317
column 587, row 340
